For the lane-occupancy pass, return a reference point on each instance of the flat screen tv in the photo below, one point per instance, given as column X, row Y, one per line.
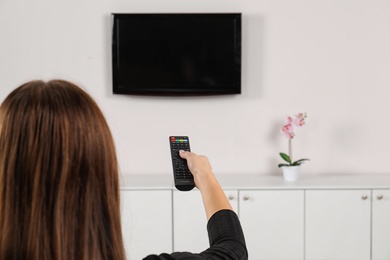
column 176, row 53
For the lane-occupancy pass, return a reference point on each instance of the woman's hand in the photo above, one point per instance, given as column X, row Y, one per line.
column 200, row 168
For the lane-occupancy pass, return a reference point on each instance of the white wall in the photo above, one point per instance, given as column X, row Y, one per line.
column 328, row 58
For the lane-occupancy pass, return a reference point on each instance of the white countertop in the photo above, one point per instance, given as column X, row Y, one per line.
column 306, row 181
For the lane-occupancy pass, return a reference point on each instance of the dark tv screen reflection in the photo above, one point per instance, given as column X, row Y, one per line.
column 176, row 54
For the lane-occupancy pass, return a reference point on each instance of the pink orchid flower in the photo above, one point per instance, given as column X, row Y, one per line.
column 300, row 119
column 288, row 131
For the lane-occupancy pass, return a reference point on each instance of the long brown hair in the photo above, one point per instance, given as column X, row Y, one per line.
column 59, row 187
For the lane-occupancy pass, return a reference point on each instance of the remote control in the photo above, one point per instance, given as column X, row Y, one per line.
column 184, row 181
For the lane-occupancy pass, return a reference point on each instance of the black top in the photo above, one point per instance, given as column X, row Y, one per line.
column 226, row 238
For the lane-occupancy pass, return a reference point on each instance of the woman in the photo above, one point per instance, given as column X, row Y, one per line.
column 59, row 188
column 59, row 192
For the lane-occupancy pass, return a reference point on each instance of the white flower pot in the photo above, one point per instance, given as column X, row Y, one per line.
column 291, row 173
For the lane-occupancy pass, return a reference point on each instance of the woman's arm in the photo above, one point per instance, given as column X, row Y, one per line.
column 214, row 198
column 226, row 238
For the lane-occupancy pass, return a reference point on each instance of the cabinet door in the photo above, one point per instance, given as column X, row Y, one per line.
column 338, row 224
column 381, row 225
column 190, row 222
column 273, row 223
column 146, row 222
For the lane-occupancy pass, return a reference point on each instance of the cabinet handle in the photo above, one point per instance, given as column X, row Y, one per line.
column 246, row 197
column 364, row 197
column 231, row 197
column 379, row 197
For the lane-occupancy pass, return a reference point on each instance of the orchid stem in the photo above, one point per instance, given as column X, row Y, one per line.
column 290, row 149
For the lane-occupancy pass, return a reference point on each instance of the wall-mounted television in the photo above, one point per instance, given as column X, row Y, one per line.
column 176, row 53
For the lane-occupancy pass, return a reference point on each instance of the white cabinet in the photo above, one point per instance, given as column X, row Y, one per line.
column 318, row 218
column 146, row 222
column 273, row 223
column 295, row 224
column 381, row 225
column 190, row 222
column 338, row 224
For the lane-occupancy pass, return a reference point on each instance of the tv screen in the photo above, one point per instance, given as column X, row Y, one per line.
column 176, row 54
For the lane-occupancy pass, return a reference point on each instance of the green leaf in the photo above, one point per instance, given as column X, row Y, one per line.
column 299, row 162
column 285, row 157
column 283, row 164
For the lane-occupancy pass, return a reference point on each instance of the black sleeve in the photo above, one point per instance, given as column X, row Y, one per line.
column 226, row 238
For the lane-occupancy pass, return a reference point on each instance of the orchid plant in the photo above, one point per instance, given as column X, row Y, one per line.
column 288, row 131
